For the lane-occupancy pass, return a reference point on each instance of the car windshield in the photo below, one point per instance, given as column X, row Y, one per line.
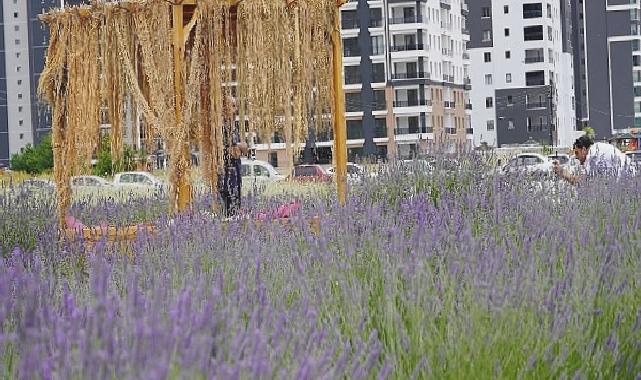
column 305, row 171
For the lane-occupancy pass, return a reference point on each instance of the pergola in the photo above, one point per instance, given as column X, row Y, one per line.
column 174, row 59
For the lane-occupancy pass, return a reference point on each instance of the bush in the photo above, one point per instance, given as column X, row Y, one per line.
column 34, row 160
column 106, row 166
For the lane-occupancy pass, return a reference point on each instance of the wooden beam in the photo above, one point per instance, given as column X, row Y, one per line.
column 340, row 131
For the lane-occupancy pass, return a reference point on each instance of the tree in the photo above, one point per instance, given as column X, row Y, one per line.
column 106, row 166
column 34, row 160
column 589, row 131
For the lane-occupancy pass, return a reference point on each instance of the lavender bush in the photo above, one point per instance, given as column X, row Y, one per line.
column 457, row 274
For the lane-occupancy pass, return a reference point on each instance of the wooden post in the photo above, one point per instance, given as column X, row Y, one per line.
column 340, row 131
column 183, row 182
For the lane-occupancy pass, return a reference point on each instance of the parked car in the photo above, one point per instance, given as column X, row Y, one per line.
column 89, row 181
column 139, row 180
column 529, row 163
column 259, row 171
column 635, row 158
column 310, row 173
column 36, row 184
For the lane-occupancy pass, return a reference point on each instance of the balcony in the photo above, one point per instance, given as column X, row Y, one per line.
column 406, row 20
column 534, row 59
column 415, row 75
column 449, row 104
column 375, row 23
column 347, row 24
column 534, row 105
column 412, row 103
column 448, row 78
column 406, row 47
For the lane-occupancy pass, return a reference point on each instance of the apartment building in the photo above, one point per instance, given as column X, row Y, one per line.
column 523, row 72
column 607, row 65
column 406, row 81
column 23, row 44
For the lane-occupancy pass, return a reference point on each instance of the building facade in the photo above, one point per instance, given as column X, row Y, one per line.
column 23, row 43
column 607, row 65
column 523, row 75
column 406, row 81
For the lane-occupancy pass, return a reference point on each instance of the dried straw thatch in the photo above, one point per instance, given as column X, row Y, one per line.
column 107, row 54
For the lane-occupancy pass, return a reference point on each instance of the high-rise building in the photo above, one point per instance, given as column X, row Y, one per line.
column 607, row 65
column 406, row 80
column 522, row 76
column 23, row 44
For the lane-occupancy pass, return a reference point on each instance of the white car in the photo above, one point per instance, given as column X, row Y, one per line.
column 259, row 171
column 89, row 181
column 139, row 180
column 528, row 163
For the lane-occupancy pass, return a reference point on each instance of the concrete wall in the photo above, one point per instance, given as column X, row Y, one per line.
column 4, row 134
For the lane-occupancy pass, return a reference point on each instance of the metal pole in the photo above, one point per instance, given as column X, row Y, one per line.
column 183, row 182
column 340, row 131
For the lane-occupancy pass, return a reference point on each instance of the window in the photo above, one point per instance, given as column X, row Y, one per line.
column 490, row 125
column 261, row 171
column 488, row 78
column 16, row 28
column 636, row 60
column 350, row 47
column 377, row 45
column 19, row 82
column 21, row 136
column 487, row 57
column 20, row 122
column 510, row 100
column 15, row 14
column 378, row 72
column 486, row 12
column 507, row 32
column 532, row 10
column 353, row 102
column 352, row 74
column 533, row 33
column 19, row 108
column 354, row 129
column 535, row 78
column 19, row 96
column 637, row 107
column 273, row 159
column 635, row 74
column 18, row 69
column 534, row 55
column 489, row 102
column 18, row 55
column 508, row 54
column 487, row 35
column 510, row 124
column 17, row 41
column 549, row 7
column 506, row 9
column 508, row 78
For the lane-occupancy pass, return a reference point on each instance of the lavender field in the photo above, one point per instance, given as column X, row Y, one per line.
column 456, row 275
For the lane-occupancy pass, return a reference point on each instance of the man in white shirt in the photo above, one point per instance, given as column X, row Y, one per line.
column 597, row 159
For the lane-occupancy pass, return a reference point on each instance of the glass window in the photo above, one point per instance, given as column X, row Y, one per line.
column 261, row 171
column 245, row 170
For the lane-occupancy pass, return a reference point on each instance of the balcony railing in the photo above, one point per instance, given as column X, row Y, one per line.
column 415, row 75
column 531, row 105
column 534, row 59
column 468, row 80
column 406, row 20
column 537, row 127
column 411, row 103
column 349, row 24
column 449, row 104
column 407, row 47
